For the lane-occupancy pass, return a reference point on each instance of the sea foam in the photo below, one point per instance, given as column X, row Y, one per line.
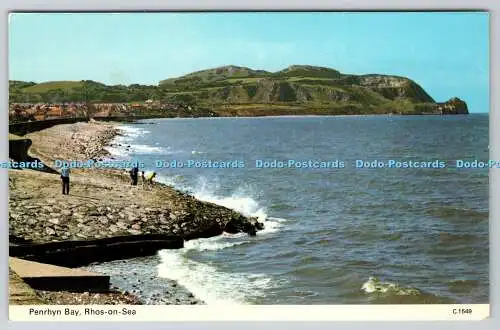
column 374, row 285
column 206, row 281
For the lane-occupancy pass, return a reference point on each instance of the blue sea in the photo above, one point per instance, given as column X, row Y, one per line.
column 334, row 234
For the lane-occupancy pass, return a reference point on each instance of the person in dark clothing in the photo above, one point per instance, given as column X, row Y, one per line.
column 65, row 180
column 134, row 174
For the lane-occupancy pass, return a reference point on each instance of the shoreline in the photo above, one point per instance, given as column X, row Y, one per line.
column 136, row 121
column 147, row 290
column 102, row 203
column 130, row 276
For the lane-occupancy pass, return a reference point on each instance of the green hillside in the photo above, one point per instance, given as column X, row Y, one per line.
column 47, row 86
column 239, row 91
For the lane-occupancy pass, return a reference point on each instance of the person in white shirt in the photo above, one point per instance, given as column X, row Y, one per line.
column 65, row 179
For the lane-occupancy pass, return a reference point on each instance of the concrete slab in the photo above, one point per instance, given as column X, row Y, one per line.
column 55, row 278
column 21, row 293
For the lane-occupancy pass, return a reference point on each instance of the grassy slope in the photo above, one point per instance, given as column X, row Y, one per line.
column 47, row 86
column 234, row 90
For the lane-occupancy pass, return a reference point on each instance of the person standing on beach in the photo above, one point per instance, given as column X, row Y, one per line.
column 134, row 174
column 65, row 179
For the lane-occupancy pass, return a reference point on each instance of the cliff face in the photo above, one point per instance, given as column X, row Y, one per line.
column 370, row 90
column 395, row 87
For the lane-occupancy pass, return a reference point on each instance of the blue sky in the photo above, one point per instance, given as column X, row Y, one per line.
column 447, row 53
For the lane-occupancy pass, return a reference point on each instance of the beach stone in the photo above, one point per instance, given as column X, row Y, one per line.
column 55, row 221
column 83, row 209
column 93, row 212
column 136, row 226
column 50, row 231
column 66, row 212
column 31, row 221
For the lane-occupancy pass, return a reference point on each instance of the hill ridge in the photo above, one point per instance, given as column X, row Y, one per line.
column 236, row 90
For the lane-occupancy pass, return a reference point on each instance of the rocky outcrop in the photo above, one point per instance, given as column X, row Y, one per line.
column 240, row 224
column 67, row 219
column 454, row 106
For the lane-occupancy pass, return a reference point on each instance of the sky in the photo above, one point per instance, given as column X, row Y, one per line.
column 446, row 53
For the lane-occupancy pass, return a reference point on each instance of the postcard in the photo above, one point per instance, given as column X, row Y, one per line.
column 286, row 165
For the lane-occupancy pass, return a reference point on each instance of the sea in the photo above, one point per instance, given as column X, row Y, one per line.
column 341, row 225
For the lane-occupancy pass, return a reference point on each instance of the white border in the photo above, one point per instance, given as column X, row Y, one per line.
column 62, row 5
column 180, row 313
